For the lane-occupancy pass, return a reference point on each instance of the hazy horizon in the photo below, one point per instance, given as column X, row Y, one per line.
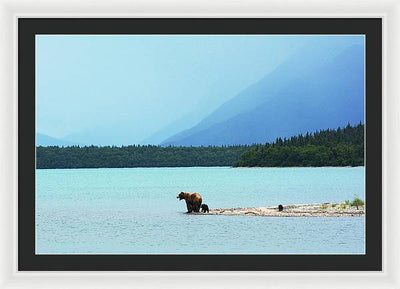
column 123, row 89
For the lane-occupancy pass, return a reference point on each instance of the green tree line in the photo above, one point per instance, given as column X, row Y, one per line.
column 340, row 147
column 54, row 157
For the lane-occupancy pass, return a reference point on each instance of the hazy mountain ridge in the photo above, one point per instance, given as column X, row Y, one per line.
column 46, row 140
column 295, row 98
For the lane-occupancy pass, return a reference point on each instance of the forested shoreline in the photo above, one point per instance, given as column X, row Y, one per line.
column 340, row 147
column 54, row 157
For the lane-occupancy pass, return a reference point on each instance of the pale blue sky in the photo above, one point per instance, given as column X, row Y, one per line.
column 121, row 89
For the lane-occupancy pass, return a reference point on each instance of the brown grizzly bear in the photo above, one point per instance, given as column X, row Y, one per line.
column 193, row 201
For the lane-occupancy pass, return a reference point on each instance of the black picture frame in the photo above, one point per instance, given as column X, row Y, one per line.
column 29, row 27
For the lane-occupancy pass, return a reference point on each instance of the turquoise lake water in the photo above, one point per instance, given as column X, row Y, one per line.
column 135, row 211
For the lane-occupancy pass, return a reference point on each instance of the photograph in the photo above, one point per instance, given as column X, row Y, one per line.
column 200, row 144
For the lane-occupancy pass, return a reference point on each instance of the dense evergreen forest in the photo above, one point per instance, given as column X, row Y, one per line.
column 340, row 147
column 54, row 157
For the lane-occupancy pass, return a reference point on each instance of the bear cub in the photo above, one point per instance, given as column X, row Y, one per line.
column 204, row 208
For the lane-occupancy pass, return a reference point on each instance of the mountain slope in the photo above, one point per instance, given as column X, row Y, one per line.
column 183, row 123
column 299, row 96
column 45, row 140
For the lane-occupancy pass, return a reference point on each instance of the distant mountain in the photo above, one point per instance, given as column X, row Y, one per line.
column 206, row 105
column 107, row 133
column 45, row 140
column 310, row 91
column 185, row 122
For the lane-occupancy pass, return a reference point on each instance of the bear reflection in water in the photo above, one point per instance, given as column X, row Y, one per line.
column 193, row 201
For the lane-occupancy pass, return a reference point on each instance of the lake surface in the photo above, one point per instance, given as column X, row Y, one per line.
column 135, row 211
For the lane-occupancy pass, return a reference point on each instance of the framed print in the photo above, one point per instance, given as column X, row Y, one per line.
column 233, row 144
column 52, row 256
column 268, row 130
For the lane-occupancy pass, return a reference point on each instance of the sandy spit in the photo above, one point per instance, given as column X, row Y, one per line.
column 304, row 210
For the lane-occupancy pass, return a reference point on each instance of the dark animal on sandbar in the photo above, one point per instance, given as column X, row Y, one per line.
column 193, row 201
column 204, row 208
column 280, row 208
